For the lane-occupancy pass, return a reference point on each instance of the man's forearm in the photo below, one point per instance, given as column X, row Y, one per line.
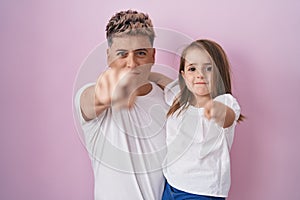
column 160, row 79
column 89, row 104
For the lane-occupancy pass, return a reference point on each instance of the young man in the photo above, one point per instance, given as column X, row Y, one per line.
column 123, row 114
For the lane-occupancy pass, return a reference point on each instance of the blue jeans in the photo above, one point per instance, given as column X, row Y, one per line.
column 171, row 193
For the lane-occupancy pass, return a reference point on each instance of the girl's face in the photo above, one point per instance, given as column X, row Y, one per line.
column 197, row 72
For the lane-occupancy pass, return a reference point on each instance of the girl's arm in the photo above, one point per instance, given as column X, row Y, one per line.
column 160, row 79
column 222, row 114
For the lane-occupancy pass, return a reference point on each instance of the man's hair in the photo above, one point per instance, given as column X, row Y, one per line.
column 129, row 22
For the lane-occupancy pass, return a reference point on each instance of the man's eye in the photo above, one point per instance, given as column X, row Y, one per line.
column 141, row 53
column 122, row 54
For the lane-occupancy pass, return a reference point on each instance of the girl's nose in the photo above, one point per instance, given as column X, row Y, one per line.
column 199, row 74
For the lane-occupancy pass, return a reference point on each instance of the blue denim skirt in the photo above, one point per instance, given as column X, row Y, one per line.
column 171, row 193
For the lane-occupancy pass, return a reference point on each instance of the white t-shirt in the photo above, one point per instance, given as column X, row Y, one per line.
column 198, row 159
column 127, row 148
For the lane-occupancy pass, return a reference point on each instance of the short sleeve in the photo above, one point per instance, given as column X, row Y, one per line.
column 77, row 102
column 171, row 91
column 231, row 102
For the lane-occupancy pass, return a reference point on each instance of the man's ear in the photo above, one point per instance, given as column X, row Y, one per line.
column 108, row 56
column 154, row 52
column 108, row 53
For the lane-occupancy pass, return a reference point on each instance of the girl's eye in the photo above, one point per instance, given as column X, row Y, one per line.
column 208, row 68
column 192, row 69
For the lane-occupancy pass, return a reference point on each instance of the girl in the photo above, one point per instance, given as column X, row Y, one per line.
column 200, row 125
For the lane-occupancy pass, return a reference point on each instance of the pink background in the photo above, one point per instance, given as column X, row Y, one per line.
column 43, row 44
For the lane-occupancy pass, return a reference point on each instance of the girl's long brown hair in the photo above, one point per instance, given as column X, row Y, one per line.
column 221, row 80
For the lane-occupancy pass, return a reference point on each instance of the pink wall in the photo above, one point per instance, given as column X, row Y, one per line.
column 43, row 44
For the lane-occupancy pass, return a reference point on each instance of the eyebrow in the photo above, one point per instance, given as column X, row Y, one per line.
column 142, row 49
column 196, row 64
column 121, row 50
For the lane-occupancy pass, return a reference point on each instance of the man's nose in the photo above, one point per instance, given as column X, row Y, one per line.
column 131, row 61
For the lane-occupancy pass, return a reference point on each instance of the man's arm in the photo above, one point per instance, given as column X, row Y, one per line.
column 97, row 98
column 111, row 89
column 90, row 105
column 160, row 79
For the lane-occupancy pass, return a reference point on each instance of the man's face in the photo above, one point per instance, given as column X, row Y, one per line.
column 131, row 55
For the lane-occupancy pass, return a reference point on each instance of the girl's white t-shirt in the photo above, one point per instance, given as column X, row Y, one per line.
column 198, row 159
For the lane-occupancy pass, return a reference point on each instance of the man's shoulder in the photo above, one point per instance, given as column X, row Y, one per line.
column 156, row 92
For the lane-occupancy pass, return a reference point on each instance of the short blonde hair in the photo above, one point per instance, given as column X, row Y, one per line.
column 129, row 22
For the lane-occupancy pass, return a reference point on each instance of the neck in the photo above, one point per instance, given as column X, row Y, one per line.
column 200, row 102
column 144, row 89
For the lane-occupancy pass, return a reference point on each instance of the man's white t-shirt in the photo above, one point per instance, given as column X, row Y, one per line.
column 127, row 148
column 198, row 159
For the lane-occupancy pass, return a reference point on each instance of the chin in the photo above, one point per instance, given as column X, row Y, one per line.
column 202, row 94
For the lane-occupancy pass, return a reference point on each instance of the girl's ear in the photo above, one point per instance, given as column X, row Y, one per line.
column 182, row 74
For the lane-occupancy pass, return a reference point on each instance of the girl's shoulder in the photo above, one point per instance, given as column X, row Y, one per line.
column 227, row 99
column 171, row 91
column 230, row 101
